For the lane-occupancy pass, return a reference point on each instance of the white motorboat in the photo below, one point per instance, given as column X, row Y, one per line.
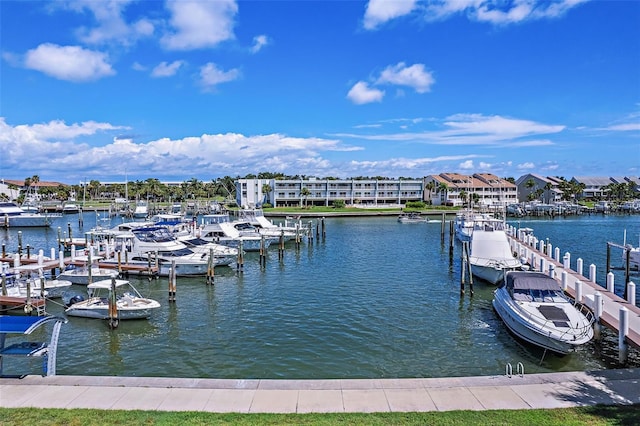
column 534, row 307
column 633, row 254
column 634, row 257
column 157, row 245
column 34, row 276
column 218, row 228
column 130, row 304
column 223, row 255
column 256, row 218
column 141, row 210
column 11, row 215
column 70, row 206
column 87, row 273
column 466, row 220
column 412, row 218
column 490, row 252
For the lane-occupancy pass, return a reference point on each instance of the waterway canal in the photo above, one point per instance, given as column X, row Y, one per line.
column 374, row 299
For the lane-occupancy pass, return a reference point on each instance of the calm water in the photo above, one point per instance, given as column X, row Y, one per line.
column 374, row 299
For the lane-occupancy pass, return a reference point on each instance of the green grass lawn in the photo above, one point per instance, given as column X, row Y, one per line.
column 597, row 415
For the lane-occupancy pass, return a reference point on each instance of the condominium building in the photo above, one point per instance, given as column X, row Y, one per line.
column 481, row 189
column 323, row 192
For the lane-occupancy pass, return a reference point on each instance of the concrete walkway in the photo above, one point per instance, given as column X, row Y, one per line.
column 550, row 390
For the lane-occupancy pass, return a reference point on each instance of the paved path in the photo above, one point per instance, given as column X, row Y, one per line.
column 549, row 390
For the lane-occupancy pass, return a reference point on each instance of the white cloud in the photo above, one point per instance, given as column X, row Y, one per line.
column 71, row 63
column 413, row 76
column 258, row 43
column 628, row 127
column 138, row 67
column 467, row 165
column 474, row 129
column 380, row 11
column 166, row 70
column 211, row 76
column 526, row 166
column 497, row 12
column 54, row 147
column 200, row 24
column 111, row 26
column 361, row 93
column 35, row 146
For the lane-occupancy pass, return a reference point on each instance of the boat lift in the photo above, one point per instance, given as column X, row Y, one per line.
column 26, row 325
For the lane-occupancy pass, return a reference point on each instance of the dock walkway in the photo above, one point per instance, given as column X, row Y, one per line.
column 611, row 303
column 547, row 390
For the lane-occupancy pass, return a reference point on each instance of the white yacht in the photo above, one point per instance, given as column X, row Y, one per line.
column 141, row 210
column 534, row 307
column 490, row 252
column 466, row 220
column 220, row 229
column 157, row 245
column 70, row 206
column 12, row 215
column 256, row 218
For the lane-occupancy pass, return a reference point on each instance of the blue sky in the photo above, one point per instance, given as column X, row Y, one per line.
column 176, row 90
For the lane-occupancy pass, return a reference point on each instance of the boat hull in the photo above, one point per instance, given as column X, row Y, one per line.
column 508, row 311
column 81, row 276
column 98, row 308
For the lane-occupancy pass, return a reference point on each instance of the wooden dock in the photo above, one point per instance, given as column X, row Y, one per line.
column 611, row 303
column 49, row 265
column 10, row 304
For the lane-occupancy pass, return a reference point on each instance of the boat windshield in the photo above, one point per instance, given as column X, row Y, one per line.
column 528, row 295
column 176, row 253
column 153, row 235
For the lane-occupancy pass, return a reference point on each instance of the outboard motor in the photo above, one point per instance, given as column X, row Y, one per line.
column 75, row 298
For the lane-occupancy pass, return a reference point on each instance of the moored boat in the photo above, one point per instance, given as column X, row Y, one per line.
column 130, row 304
column 11, row 215
column 491, row 254
column 534, row 307
column 412, row 217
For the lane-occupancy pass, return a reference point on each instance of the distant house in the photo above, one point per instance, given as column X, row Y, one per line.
column 593, row 186
column 548, row 188
column 34, row 188
column 456, row 189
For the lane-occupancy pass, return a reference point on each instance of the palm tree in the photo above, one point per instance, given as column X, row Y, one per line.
column 304, row 193
column 430, row 186
column 463, row 196
column 442, row 189
column 547, row 192
column 266, row 191
column 530, row 184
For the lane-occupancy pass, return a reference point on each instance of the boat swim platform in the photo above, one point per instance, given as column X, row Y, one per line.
column 526, row 391
column 611, row 302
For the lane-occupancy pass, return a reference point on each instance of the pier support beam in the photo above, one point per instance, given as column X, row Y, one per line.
column 592, row 273
column 579, row 266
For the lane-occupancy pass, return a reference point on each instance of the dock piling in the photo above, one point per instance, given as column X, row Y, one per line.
column 113, row 306
column 210, row 268
column 172, row 282
column 597, row 312
column 623, row 346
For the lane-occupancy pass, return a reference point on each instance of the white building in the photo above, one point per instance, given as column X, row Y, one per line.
column 323, row 192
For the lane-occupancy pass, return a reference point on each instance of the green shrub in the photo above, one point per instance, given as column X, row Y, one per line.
column 416, row 205
column 338, row 204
